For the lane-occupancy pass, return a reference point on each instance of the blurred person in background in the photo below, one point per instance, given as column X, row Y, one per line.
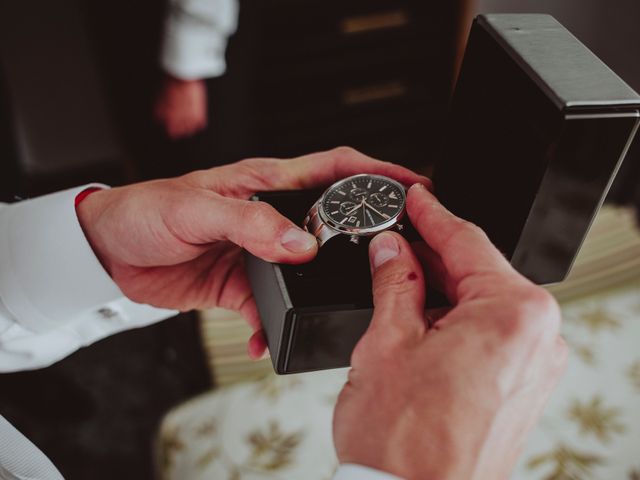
column 193, row 50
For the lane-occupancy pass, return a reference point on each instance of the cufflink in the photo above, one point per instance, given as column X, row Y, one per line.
column 107, row 313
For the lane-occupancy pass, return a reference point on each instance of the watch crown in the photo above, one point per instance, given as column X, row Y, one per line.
column 400, row 227
column 354, row 239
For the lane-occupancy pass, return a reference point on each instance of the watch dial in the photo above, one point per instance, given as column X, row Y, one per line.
column 363, row 201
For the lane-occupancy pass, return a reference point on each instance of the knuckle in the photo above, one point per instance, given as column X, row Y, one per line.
column 253, row 166
column 192, row 178
column 534, row 314
column 256, row 172
column 465, row 227
column 461, row 231
column 544, row 305
column 345, row 153
column 377, row 345
column 255, row 213
column 360, row 353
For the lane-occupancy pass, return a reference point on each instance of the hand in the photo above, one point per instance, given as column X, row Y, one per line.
column 457, row 400
column 181, row 107
column 178, row 243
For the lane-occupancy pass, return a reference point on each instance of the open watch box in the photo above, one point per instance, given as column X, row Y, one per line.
column 537, row 129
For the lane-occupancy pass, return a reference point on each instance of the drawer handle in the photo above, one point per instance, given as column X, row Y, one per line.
column 374, row 21
column 373, row 93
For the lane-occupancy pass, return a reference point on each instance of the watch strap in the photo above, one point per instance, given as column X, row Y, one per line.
column 316, row 226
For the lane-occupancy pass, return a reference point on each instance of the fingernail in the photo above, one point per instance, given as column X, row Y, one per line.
column 428, row 184
column 298, row 241
column 416, row 186
column 383, row 248
column 265, row 355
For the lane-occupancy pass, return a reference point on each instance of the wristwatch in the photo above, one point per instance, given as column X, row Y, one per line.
column 358, row 206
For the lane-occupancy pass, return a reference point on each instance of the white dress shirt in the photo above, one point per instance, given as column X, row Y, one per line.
column 55, row 298
column 195, row 37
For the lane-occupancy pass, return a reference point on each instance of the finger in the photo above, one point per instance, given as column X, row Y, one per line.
column 257, row 345
column 236, row 293
column 464, row 249
column 255, row 226
column 249, row 311
column 434, row 270
column 398, row 284
column 314, row 170
column 326, row 167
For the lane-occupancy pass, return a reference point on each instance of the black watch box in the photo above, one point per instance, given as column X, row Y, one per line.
column 537, row 130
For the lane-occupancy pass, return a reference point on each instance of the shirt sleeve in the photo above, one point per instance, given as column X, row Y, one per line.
column 22, row 460
column 195, row 37
column 55, row 296
column 358, row 472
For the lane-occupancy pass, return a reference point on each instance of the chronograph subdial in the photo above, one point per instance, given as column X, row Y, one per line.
column 378, row 200
column 358, row 194
column 347, row 208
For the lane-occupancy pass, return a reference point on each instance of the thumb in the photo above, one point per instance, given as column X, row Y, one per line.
column 260, row 229
column 398, row 284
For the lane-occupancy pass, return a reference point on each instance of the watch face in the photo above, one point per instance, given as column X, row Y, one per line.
column 363, row 203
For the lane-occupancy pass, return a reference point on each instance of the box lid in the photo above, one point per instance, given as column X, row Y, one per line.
column 569, row 73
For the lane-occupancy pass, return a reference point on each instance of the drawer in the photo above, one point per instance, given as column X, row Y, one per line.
column 310, row 26
column 340, row 130
column 288, row 45
column 319, row 78
column 372, row 98
column 413, row 143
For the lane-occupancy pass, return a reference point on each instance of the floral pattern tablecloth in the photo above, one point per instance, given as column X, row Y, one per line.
column 280, row 427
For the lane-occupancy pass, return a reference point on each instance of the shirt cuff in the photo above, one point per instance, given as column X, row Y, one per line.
column 55, row 296
column 49, row 272
column 350, row 471
column 22, row 460
column 187, row 59
column 195, row 38
column 22, row 349
column 50, row 275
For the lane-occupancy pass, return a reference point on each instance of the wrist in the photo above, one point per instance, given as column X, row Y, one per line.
column 88, row 207
column 172, row 80
column 406, row 459
column 352, row 470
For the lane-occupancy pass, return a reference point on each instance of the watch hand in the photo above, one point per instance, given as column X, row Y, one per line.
column 381, row 214
column 373, row 222
column 353, row 209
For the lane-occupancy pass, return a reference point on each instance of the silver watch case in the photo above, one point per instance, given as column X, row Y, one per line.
column 323, row 228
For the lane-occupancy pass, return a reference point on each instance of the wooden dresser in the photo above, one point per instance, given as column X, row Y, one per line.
column 311, row 75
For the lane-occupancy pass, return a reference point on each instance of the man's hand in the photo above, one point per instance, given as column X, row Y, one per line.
column 178, row 243
column 181, row 107
column 457, row 400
